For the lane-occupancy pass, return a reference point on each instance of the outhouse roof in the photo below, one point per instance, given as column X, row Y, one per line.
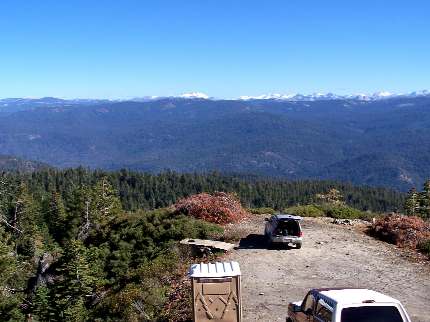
column 218, row 269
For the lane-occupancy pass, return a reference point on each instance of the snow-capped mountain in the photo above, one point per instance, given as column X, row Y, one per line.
column 51, row 101
column 194, row 95
column 294, row 97
column 331, row 96
column 268, row 97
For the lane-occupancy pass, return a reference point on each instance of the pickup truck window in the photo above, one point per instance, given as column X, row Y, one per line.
column 371, row 314
column 323, row 314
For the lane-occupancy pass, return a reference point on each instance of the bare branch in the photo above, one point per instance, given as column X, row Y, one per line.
column 9, row 225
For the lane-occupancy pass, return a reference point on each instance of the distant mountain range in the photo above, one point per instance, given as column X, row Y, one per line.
column 26, row 103
column 380, row 139
column 331, row 96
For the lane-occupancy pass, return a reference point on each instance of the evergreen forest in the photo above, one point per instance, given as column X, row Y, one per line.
column 84, row 245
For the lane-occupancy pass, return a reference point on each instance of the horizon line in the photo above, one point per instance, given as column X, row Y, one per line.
column 202, row 95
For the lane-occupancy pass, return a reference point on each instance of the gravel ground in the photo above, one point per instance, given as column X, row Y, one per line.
column 331, row 256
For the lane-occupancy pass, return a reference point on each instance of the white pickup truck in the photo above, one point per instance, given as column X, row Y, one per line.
column 346, row 305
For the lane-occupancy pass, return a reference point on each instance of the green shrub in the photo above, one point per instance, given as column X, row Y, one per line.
column 329, row 210
column 145, row 294
column 145, row 235
column 305, row 211
column 143, row 261
column 342, row 212
column 424, row 247
column 261, row 211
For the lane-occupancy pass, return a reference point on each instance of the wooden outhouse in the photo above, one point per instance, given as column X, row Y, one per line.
column 216, row 292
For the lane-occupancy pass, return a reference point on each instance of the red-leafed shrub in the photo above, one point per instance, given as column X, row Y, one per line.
column 219, row 208
column 404, row 231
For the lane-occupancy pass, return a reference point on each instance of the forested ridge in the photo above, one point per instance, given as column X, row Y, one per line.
column 149, row 191
column 82, row 245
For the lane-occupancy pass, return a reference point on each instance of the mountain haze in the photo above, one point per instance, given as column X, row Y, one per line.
column 365, row 141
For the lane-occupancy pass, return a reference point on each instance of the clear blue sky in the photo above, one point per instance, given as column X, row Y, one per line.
column 225, row 48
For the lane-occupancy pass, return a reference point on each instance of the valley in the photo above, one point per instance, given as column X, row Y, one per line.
column 383, row 142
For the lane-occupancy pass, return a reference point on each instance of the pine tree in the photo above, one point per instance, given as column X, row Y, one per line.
column 9, row 281
column 99, row 206
column 76, row 285
column 425, row 200
column 76, row 311
column 412, row 205
column 25, row 219
column 7, row 261
column 78, row 213
column 105, row 202
column 57, row 219
column 42, row 310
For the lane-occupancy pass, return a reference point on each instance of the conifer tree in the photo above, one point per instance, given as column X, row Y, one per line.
column 76, row 311
column 9, row 281
column 7, row 261
column 25, row 219
column 79, row 212
column 57, row 219
column 105, row 204
column 425, row 200
column 77, row 282
column 99, row 206
column 42, row 309
column 412, row 203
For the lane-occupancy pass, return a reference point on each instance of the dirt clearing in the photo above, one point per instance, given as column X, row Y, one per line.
column 331, row 256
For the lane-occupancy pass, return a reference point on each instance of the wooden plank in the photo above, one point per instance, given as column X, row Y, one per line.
column 208, row 243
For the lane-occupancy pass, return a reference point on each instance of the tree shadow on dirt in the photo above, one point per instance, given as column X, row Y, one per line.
column 257, row 241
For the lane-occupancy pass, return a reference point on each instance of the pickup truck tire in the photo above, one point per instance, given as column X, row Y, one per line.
column 298, row 246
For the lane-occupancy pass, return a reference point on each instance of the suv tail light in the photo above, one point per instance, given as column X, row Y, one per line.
column 301, row 234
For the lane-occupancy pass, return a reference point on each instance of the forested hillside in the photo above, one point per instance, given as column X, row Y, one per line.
column 379, row 142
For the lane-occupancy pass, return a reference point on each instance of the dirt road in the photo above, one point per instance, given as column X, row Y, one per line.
column 331, row 256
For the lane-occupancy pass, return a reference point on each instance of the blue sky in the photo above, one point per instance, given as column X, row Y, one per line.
column 225, row 48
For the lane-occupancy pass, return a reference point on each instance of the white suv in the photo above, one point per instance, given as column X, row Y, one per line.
column 284, row 229
column 346, row 305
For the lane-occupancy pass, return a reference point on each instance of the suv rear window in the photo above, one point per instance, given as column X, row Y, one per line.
column 371, row 314
column 288, row 228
